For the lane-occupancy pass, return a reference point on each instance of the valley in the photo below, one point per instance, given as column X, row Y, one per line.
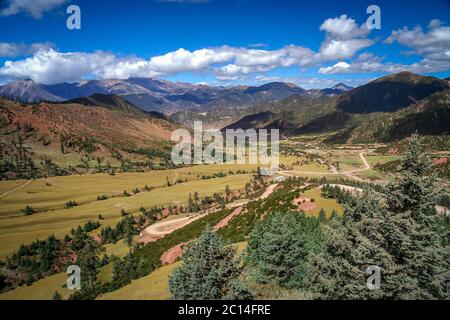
column 93, row 173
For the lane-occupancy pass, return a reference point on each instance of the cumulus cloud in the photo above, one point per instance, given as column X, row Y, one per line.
column 344, row 27
column 8, row 49
column 344, row 38
column 52, row 66
column 341, row 49
column 340, row 67
column 256, row 61
column 434, row 44
column 367, row 63
column 45, row 66
column 35, row 8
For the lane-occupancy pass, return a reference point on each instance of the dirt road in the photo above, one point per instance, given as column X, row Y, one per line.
column 348, row 173
column 159, row 230
column 4, row 194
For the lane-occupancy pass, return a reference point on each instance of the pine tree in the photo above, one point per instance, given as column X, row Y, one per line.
column 397, row 231
column 56, row 296
column 210, row 270
column 415, row 190
column 357, row 241
column 322, row 215
column 416, row 194
column 278, row 249
column 88, row 260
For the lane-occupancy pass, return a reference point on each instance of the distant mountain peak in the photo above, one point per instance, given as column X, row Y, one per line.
column 28, row 91
column 405, row 76
column 342, row 86
column 337, row 89
column 390, row 93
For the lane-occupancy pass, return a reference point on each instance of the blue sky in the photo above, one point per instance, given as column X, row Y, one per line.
column 223, row 42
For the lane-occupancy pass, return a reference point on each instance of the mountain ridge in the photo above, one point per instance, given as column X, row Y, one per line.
column 150, row 94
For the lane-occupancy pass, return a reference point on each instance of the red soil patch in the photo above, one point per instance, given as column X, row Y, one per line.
column 224, row 222
column 171, row 255
column 392, row 151
column 304, row 204
column 440, row 161
column 147, row 238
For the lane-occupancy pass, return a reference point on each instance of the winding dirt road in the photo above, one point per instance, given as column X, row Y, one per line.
column 348, row 173
column 4, row 194
column 159, row 230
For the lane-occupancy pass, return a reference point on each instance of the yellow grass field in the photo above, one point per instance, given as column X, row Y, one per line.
column 380, row 159
column 119, row 249
column 40, row 290
column 54, row 192
column 155, row 286
column 25, row 229
column 45, row 288
column 312, row 167
column 327, row 204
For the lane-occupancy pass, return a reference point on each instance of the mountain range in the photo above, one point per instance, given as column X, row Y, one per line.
column 385, row 109
column 294, row 110
column 94, row 134
column 159, row 95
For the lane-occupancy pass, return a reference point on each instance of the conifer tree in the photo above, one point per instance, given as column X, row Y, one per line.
column 415, row 193
column 56, row 296
column 354, row 243
column 210, row 270
column 278, row 249
column 396, row 231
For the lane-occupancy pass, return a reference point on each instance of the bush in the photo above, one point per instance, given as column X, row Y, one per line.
column 28, row 210
column 71, row 204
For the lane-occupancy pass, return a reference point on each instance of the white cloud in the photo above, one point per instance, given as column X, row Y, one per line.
column 35, row 8
column 435, row 23
column 367, row 63
column 341, row 49
column 52, row 67
column 344, row 38
column 44, row 65
column 8, row 49
column 344, row 28
column 340, row 67
column 434, row 45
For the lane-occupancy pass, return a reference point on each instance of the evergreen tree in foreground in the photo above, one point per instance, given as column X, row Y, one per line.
column 278, row 249
column 397, row 231
column 416, row 194
column 368, row 235
column 210, row 270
